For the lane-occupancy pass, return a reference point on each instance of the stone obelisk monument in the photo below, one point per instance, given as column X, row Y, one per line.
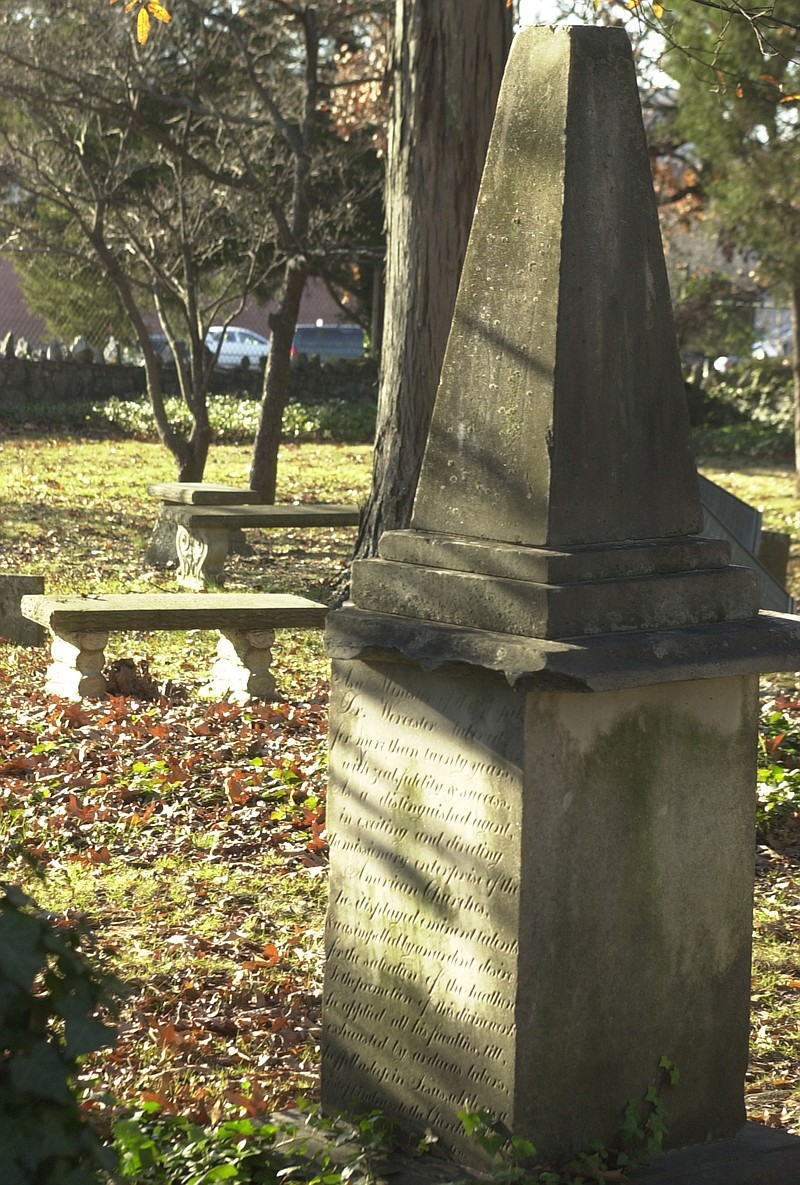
column 544, row 693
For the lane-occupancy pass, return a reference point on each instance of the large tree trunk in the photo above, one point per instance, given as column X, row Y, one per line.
column 447, row 63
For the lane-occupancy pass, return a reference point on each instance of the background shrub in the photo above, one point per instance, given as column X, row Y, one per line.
column 746, row 411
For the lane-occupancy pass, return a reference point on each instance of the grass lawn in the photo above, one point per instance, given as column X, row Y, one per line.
column 192, row 831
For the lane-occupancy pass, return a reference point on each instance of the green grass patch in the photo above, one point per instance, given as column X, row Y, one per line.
column 234, row 419
column 749, row 440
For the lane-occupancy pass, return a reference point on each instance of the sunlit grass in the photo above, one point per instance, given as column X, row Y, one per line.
column 78, row 513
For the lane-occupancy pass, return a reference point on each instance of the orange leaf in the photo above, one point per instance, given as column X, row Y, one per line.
column 242, row 1101
column 159, row 12
column 75, row 714
column 154, row 1096
column 142, row 26
column 168, row 1035
column 272, row 954
column 17, row 765
column 318, row 836
column 236, row 791
column 137, row 819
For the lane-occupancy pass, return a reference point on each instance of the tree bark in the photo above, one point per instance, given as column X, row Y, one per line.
column 264, row 462
column 293, row 229
column 447, row 64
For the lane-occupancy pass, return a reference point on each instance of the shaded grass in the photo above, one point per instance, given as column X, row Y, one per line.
column 773, row 1087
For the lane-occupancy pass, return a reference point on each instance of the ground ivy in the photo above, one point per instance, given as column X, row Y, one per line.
column 51, row 994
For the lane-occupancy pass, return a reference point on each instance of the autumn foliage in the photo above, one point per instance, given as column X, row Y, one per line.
column 145, row 9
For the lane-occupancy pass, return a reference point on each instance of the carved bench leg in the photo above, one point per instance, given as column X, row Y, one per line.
column 201, row 555
column 242, row 670
column 78, row 661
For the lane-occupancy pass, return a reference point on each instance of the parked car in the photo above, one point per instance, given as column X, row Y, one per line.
column 240, row 347
column 163, row 350
column 328, row 341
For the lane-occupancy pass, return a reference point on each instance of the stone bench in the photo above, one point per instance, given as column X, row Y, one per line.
column 205, row 516
column 246, row 622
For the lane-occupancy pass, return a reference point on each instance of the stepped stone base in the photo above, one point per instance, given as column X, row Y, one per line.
column 540, row 592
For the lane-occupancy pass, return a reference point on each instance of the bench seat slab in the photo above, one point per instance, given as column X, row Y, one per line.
column 174, row 611
column 197, row 493
column 202, row 533
column 245, row 623
column 204, row 523
column 263, row 516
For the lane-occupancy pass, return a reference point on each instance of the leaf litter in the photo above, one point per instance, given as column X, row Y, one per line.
column 175, row 824
column 192, row 834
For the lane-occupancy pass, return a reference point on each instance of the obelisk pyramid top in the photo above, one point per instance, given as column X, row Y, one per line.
column 561, row 416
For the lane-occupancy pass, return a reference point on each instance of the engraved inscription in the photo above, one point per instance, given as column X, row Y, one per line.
column 421, row 976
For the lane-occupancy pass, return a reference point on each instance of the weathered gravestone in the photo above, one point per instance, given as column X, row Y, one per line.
column 13, row 626
column 544, row 694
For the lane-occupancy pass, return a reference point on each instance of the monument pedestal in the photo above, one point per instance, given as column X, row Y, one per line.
column 535, row 896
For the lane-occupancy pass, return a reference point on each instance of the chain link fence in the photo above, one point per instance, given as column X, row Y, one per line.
column 96, row 321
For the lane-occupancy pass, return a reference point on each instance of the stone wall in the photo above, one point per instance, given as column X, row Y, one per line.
column 355, row 381
column 26, row 383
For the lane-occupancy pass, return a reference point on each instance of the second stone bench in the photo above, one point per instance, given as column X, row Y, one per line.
column 246, row 623
column 205, row 518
